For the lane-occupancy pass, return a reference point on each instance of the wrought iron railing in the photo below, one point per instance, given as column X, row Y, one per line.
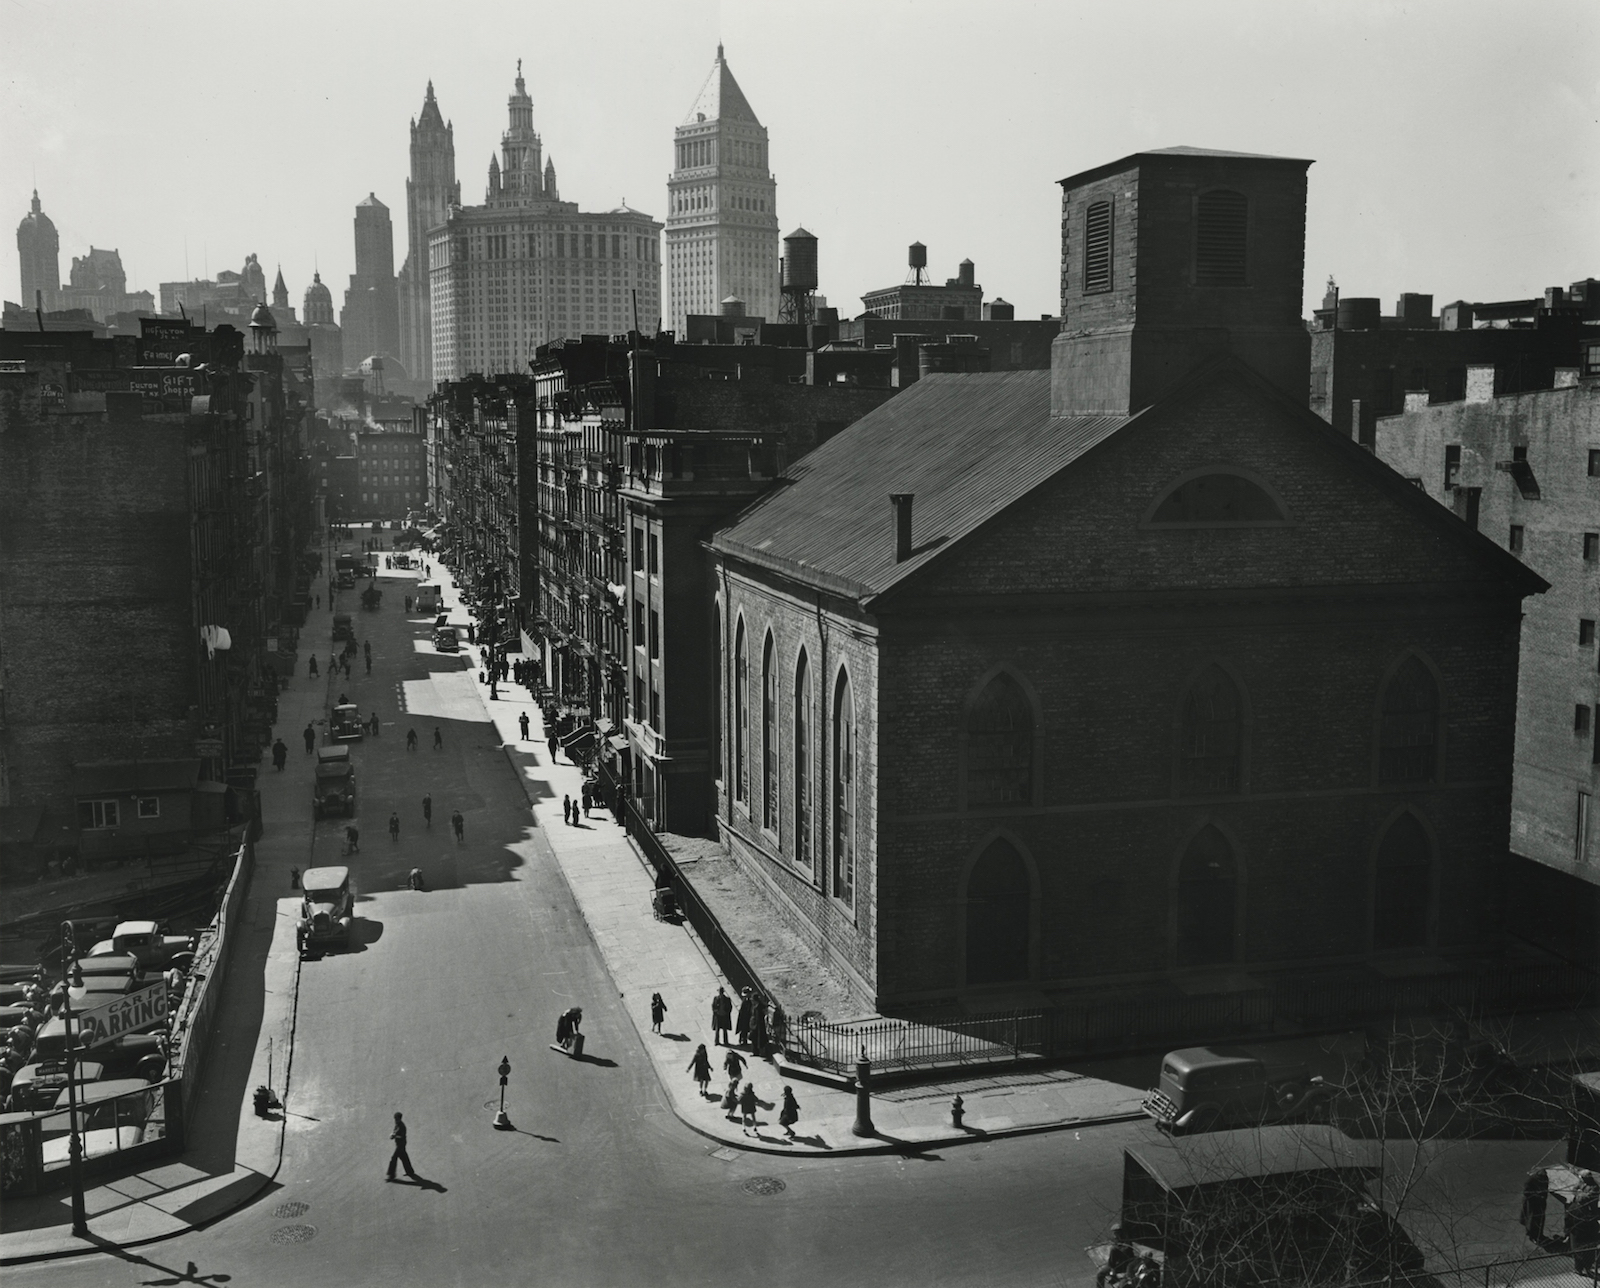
column 896, row 1046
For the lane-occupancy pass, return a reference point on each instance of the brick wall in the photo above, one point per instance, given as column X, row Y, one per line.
column 95, row 605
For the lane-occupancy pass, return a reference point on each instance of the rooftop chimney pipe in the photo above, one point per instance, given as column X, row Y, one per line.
column 902, row 525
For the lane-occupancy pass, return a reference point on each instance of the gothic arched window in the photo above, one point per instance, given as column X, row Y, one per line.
column 1210, row 736
column 802, row 761
column 1207, row 901
column 741, row 716
column 769, row 737
column 1408, row 738
column 844, row 790
column 998, row 897
column 1000, row 745
column 1402, row 887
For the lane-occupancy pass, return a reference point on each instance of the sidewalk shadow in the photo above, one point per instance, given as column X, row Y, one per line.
column 675, row 1037
column 595, row 1059
column 816, row 1142
column 422, row 1183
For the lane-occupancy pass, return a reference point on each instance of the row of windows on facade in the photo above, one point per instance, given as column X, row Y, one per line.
column 567, row 246
column 1222, row 219
column 1208, row 896
column 693, row 153
column 94, row 814
column 706, row 199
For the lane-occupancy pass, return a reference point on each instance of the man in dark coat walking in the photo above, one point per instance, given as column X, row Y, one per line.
column 721, row 1017
column 741, row 1029
column 398, row 1136
column 280, row 754
column 311, row 739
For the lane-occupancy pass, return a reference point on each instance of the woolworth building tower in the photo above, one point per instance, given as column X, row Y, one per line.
column 430, row 192
column 722, row 213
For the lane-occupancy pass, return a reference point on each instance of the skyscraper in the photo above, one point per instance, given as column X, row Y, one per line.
column 371, row 316
column 722, row 212
column 526, row 267
column 39, row 249
column 430, row 192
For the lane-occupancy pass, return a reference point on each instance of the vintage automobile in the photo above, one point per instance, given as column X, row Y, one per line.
column 148, row 943
column 37, row 1085
column 343, row 627
column 446, row 639
column 428, row 597
column 346, row 723
column 115, row 1115
column 345, row 580
column 334, row 789
column 371, row 598
column 327, row 909
column 1211, row 1088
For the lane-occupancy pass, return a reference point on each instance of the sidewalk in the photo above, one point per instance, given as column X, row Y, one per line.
column 612, row 885
column 231, row 1155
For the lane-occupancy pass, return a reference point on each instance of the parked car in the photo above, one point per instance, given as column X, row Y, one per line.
column 1212, row 1088
column 345, row 580
column 37, row 1085
column 428, row 597
column 327, row 909
column 146, row 941
column 343, row 627
column 334, row 788
column 446, row 639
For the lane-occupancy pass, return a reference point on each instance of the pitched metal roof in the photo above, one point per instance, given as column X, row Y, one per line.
column 966, row 446
column 720, row 98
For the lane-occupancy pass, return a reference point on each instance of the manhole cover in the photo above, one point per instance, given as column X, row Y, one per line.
column 294, row 1234
column 764, row 1185
column 284, row 1211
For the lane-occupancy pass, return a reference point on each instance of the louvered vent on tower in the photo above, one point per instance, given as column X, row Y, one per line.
column 1219, row 243
column 1097, row 247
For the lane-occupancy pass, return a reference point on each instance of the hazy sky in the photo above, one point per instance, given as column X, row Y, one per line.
column 1455, row 143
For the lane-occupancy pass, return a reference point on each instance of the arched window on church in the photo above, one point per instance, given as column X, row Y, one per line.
column 1207, row 901
column 1210, row 736
column 998, row 898
column 741, row 716
column 1408, row 738
column 1000, row 746
column 1402, row 887
column 802, row 762
column 769, row 737
column 844, row 790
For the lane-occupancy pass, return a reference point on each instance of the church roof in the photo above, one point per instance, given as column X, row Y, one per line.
column 720, row 98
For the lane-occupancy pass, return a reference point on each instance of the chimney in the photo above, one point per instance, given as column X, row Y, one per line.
column 902, row 525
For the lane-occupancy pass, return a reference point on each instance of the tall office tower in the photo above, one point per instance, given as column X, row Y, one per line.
column 722, row 212
column 39, row 249
column 371, row 317
column 526, row 267
column 430, row 192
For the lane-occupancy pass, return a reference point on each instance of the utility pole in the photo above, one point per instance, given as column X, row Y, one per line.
column 69, row 961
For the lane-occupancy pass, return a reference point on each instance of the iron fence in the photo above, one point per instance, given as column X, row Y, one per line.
column 903, row 1045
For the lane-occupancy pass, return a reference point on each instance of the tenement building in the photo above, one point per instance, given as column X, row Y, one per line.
column 1524, row 470
column 722, row 213
column 1131, row 680
column 526, row 267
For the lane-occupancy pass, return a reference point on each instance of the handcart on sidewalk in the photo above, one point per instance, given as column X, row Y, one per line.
column 664, row 903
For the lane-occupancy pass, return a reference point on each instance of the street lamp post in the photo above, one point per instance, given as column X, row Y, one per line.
column 501, row 1122
column 863, row 1123
column 69, row 960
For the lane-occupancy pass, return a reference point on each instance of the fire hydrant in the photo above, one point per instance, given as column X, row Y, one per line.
column 957, row 1111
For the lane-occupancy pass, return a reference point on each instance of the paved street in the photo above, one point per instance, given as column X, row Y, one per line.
column 600, row 1183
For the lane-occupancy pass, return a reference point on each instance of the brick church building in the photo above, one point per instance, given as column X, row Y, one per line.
column 1132, row 679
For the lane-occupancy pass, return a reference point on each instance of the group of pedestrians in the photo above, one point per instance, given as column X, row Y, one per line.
column 759, row 1023
column 570, row 807
column 741, row 1100
column 1582, row 1217
column 438, row 739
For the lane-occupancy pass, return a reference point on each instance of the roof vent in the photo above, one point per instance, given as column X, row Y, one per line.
column 902, row 524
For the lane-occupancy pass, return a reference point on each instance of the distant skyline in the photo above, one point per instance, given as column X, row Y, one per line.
column 1455, row 143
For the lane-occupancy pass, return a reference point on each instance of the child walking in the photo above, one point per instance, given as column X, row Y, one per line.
column 700, row 1067
column 658, row 1012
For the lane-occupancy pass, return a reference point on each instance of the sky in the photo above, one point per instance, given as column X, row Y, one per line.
column 1455, row 142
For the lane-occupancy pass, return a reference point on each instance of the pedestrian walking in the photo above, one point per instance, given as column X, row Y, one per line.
column 721, row 1016
column 408, row 603
column 427, row 810
column 741, row 1028
column 333, row 665
column 523, row 721
column 747, row 1107
column 700, row 1067
column 730, row 1101
column 459, row 826
column 374, row 724
column 438, row 739
column 789, row 1115
column 398, row 1136
column 586, row 795
column 779, row 1025
column 394, row 827
column 555, row 758
column 733, row 1065
column 411, row 739
column 352, row 839
column 758, row 1027
column 1535, row 1195
column 280, row 753
column 311, row 666
column 566, row 810
column 658, row 1012
column 311, row 739
column 319, row 601
column 369, row 663
column 472, row 635
column 367, row 644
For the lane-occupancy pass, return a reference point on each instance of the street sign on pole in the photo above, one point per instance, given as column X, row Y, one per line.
column 138, row 1010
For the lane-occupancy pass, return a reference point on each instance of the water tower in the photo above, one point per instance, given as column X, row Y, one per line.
column 799, row 281
column 917, row 261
